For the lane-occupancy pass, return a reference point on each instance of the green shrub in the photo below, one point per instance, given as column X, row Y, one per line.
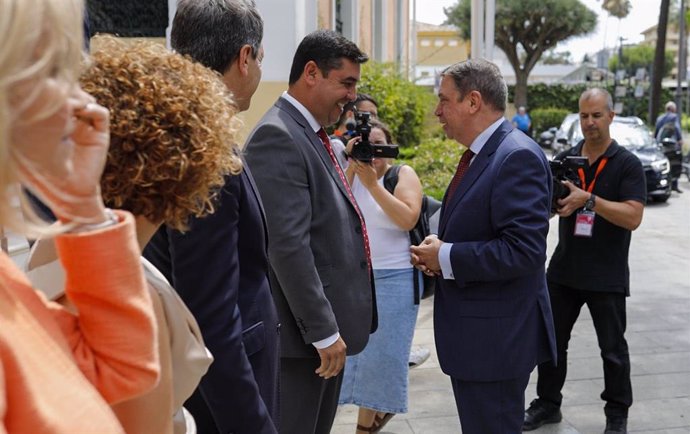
column 435, row 161
column 685, row 122
column 544, row 118
column 565, row 96
column 403, row 106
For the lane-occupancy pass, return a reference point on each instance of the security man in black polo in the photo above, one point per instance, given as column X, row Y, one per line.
column 590, row 263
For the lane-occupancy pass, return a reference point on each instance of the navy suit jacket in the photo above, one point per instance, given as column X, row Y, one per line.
column 493, row 322
column 220, row 269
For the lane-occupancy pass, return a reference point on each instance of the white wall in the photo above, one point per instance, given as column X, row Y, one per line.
column 286, row 23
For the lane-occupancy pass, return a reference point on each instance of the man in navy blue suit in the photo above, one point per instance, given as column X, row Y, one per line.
column 492, row 318
column 220, row 265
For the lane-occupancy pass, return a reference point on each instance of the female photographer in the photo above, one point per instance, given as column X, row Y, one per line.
column 376, row 379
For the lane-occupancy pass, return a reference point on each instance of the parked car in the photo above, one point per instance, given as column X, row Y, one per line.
column 562, row 133
column 632, row 133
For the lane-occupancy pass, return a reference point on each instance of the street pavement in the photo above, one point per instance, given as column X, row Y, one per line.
column 658, row 336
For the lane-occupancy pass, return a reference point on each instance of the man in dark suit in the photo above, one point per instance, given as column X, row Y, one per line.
column 319, row 255
column 492, row 319
column 219, row 266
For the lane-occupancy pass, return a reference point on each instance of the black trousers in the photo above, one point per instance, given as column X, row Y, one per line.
column 308, row 403
column 608, row 316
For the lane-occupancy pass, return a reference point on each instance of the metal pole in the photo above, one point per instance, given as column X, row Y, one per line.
column 477, row 29
column 489, row 29
column 682, row 57
column 413, row 46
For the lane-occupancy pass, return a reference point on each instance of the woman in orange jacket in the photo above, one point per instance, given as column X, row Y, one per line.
column 59, row 370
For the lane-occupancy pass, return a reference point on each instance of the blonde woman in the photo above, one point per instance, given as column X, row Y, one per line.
column 58, row 370
column 171, row 146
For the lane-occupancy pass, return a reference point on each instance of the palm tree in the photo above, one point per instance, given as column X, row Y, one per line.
column 617, row 8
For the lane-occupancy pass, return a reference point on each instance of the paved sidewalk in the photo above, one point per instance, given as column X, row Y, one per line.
column 658, row 335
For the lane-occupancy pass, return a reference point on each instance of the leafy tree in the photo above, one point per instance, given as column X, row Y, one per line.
column 403, row 106
column 553, row 57
column 528, row 27
column 640, row 56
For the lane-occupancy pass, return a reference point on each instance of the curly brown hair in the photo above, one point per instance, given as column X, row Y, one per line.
column 172, row 131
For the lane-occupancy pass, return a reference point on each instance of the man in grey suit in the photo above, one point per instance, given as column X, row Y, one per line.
column 319, row 255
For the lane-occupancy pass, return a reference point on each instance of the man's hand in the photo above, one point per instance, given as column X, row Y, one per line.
column 573, row 201
column 425, row 256
column 332, row 359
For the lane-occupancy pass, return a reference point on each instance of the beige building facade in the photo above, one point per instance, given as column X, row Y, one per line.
column 436, row 48
column 672, row 44
column 381, row 28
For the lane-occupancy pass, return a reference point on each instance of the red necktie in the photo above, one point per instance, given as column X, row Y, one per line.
column 327, row 143
column 463, row 165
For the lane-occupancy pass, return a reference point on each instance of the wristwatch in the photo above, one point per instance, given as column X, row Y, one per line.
column 589, row 204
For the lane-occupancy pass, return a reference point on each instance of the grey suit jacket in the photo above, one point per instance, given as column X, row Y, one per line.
column 319, row 274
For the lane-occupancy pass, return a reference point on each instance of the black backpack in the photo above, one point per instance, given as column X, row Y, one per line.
column 419, row 232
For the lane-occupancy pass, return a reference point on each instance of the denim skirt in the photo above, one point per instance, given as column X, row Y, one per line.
column 377, row 377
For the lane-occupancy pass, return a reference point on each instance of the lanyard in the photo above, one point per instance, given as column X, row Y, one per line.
column 581, row 173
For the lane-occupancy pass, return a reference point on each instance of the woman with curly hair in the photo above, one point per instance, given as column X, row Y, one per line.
column 59, row 371
column 171, row 145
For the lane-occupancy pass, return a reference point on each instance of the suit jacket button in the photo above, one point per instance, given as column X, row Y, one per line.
column 363, row 264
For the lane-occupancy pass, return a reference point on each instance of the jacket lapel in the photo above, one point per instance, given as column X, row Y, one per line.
column 478, row 165
column 315, row 142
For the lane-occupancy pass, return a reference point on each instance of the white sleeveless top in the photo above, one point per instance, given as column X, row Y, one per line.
column 390, row 245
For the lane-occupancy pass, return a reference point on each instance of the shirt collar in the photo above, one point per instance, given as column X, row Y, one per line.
column 610, row 151
column 484, row 136
column 313, row 123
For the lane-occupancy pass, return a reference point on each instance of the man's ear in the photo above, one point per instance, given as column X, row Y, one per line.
column 243, row 59
column 475, row 101
column 311, row 72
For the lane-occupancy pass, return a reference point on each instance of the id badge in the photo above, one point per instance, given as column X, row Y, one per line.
column 584, row 223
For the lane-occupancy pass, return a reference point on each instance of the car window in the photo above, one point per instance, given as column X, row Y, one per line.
column 568, row 122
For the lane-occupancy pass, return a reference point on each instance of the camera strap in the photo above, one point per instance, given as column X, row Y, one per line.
column 581, row 174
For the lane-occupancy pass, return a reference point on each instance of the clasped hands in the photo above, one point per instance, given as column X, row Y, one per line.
column 425, row 256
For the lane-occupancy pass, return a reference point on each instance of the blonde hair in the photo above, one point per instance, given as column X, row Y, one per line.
column 38, row 39
column 172, row 130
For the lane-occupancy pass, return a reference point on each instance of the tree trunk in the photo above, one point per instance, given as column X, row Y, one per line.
column 658, row 68
column 520, row 98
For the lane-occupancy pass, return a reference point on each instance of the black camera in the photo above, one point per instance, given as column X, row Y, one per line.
column 364, row 150
column 565, row 170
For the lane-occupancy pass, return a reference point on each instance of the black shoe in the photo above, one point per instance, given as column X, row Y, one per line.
column 677, row 190
column 616, row 425
column 540, row 413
